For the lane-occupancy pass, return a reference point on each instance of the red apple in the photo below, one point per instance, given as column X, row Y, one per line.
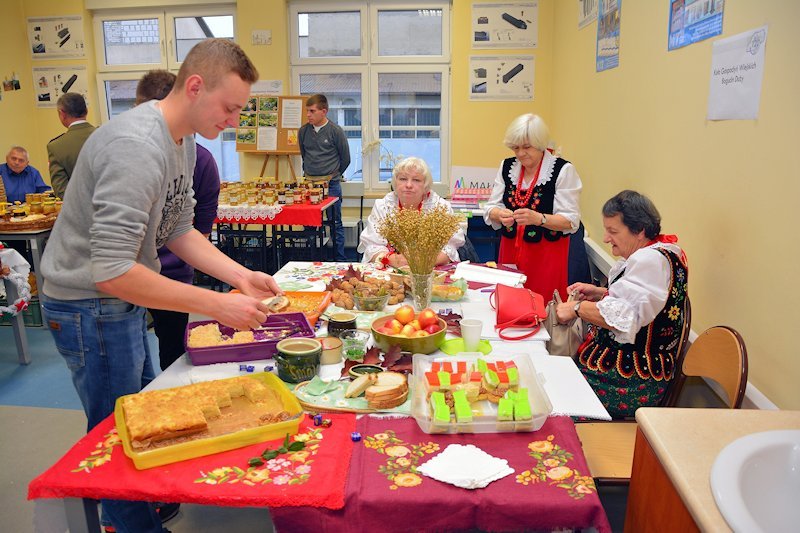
column 433, row 328
column 395, row 325
column 387, row 331
column 404, row 314
column 427, row 317
column 415, row 324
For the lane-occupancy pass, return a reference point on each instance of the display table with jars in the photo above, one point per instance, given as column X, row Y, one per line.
column 30, row 222
column 297, row 215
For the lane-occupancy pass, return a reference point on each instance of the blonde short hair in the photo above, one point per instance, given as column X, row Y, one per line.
column 212, row 59
column 412, row 164
column 528, row 129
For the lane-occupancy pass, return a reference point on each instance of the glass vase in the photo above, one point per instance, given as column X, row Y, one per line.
column 421, row 289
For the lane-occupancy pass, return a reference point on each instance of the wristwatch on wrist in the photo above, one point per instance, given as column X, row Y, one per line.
column 577, row 309
column 544, row 220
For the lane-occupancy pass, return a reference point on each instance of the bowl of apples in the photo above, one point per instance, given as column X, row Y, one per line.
column 421, row 332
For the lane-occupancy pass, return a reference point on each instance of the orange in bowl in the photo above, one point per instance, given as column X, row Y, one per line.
column 426, row 344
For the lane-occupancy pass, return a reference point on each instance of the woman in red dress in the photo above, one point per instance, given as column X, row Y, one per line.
column 535, row 200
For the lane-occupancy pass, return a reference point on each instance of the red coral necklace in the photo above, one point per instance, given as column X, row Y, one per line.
column 520, row 199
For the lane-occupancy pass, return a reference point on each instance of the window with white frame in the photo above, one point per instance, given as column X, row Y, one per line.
column 131, row 42
column 384, row 67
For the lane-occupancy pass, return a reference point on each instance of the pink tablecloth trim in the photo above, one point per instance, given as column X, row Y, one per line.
column 385, row 493
column 96, row 467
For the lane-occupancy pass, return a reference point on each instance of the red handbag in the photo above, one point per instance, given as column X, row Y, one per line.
column 517, row 307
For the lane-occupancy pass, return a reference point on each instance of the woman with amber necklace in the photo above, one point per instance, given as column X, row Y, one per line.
column 535, row 200
column 411, row 181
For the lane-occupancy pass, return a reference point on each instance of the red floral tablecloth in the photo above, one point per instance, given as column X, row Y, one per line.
column 306, row 214
column 96, row 467
column 550, row 489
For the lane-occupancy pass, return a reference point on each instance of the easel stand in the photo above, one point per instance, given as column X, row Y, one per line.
column 278, row 156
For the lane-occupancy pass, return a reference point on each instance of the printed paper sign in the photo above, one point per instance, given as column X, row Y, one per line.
column 737, row 70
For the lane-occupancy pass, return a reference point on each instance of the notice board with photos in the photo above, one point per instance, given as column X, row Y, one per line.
column 269, row 124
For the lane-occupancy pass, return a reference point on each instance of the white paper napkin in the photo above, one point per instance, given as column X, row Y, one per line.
column 465, row 466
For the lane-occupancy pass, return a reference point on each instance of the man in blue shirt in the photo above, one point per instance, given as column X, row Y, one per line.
column 19, row 178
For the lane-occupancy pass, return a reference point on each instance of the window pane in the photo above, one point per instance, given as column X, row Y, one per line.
column 223, row 148
column 120, row 95
column 191, row 30
column 403, row 97
column 416, row 32
column 132, row 42
column 343, row 92
column 329, row 34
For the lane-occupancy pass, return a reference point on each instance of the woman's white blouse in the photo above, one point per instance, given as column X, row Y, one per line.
column 636, row 298
column 568, row 190
column 372, row 242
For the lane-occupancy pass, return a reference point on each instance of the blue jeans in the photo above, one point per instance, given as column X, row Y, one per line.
column 104, row 343
column 335, row 189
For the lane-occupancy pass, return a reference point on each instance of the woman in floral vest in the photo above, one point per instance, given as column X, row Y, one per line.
column 629, row 357
column 535, row 200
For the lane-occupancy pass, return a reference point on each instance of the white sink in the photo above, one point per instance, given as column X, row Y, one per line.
column 756, row 482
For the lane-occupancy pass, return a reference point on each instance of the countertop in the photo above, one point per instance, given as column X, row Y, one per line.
column 687, row 441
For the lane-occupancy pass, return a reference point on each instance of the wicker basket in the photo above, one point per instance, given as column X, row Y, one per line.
column 40, row 224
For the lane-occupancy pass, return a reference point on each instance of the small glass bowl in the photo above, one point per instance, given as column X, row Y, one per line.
column 371, row 303
column 354, row 344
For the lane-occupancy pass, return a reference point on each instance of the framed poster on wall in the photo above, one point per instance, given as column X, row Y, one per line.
column 49, row 83
column 54, row 37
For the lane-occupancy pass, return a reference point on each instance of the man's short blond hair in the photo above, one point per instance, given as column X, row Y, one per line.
column 212, row 59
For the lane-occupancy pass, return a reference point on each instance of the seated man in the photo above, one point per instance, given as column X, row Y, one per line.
column 19, row 178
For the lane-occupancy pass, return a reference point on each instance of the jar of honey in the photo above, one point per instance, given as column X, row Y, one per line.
column 49, row 207
column 36, row 208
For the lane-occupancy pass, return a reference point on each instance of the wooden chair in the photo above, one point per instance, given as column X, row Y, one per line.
column 719, row 353
column 608, row 446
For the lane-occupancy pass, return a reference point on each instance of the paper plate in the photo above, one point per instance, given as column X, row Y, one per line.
column 455, row 346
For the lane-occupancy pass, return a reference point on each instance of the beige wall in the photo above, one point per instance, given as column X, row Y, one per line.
column 478, row 127
column 271, row 61
column 22, row 122
column 728, row 189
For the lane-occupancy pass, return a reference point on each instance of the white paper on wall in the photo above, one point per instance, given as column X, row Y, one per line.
column 737, row 71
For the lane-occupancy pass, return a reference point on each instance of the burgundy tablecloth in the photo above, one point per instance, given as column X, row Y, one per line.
column 306, row 214
column 550, row 489
column 96, row 467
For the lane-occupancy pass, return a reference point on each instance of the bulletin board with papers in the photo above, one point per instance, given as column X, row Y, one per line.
column 269, row 124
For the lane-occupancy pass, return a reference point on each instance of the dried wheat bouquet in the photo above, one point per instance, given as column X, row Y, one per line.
column 419, row 235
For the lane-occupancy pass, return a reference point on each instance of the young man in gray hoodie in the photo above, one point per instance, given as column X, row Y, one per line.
column 131, row 193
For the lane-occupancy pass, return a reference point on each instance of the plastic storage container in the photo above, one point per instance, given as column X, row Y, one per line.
column 484, row 412
column 262, row 349
column 200, row 447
